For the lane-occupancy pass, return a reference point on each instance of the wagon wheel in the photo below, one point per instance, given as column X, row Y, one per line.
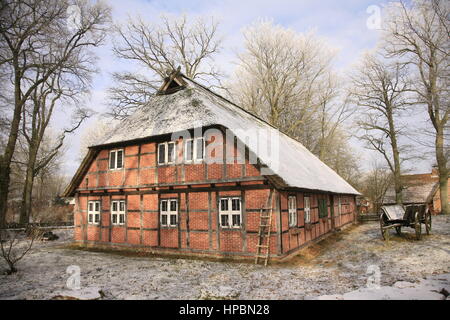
column 398, row 230
column 417, row 226
column 384, row 232
column 428, row 222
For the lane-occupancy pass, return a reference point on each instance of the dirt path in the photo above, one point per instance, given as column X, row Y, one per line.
column 336, row 265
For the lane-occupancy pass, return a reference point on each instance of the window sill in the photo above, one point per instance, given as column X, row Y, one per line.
column 230, row 228
column 169, row 227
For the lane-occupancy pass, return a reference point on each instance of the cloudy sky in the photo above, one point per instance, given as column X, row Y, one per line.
column 343, row 23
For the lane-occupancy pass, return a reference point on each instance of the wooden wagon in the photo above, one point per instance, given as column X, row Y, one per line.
column 398, row 216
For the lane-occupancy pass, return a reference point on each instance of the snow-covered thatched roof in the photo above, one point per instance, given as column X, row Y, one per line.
column 418, row 189
column 194, row 106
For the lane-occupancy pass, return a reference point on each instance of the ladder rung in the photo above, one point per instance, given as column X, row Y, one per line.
column 264, row 225
column 262, row 246
column 262, row 256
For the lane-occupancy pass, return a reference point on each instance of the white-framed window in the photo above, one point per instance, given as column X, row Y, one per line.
column 166, row 152
column 230, row 212
column 94, row 212
column 118, row 212
column 169, row 212
column 194, row 150
column 116, row 159
column 307, row 209
column 292, row 208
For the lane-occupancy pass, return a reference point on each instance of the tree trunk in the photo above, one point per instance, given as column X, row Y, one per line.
column 4, row 184
column 443, row 171
column 25, row 208
column 396, row 155
column 6, row 158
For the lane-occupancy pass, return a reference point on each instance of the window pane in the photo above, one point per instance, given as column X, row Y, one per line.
column 97, row 218
column 114, row 206
column 188, row 150
column 173, row 205
column 121, row 218
column 235, row 205
column 164, row 205
column 164, row 219
column 122, row 206
column 112, row 160
column 224, row 220
column 199, row 150
column 119, row 159
column 224, row 204
column 171, row 152
column 90, row 217
column 236, row 220
column 114, row 218
column 173, row 219
column 162, row 153
column 97, row 206
column 90, row 206
column 292, row 203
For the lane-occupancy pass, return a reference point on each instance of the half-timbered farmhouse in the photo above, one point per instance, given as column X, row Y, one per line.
column 191, row 173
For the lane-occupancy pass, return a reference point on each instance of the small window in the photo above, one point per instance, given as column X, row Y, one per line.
column 118, row 212
column 307, row 210
column 292, row 205
column 230, row 212
column 189, row 150
column 169, row 212
column 162, row 153
column 199, row 149
column 171, row 152
column 94, row 212
column 166, row 153
column 116, row 159
column 194, row 150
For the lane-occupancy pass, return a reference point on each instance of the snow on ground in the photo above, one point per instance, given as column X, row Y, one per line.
column 336, row 268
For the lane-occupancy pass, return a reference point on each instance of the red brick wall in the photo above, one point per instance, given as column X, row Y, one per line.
column 198, row 221
column 141, row 169
column 294, row 237
column 198, row 226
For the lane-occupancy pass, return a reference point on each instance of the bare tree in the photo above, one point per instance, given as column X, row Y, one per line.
column 60, row 88
column 419, row 35
column 36, row 34
column 376, row 183
column 14, row 245
column 287, row 79
column 279, row 74
column 159, row 48
column 380, row 90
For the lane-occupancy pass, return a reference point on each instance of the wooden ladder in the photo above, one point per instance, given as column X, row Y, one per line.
column 265, row 226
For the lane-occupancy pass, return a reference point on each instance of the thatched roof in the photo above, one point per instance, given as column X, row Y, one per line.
column 190, row 105
column 418, row 189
